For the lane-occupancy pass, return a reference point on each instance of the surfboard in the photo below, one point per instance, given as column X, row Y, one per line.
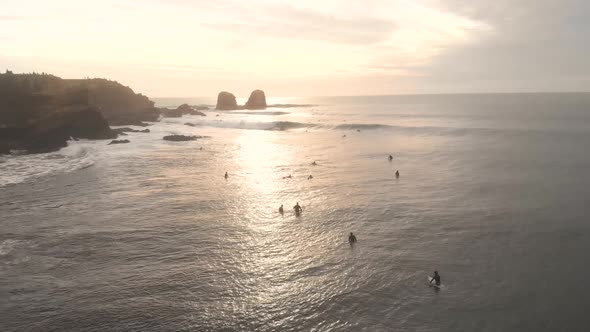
column 433, row 284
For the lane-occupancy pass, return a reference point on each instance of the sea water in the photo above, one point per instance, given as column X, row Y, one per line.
column 494, row 193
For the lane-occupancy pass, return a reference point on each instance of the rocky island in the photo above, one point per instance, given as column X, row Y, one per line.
column 226, row 101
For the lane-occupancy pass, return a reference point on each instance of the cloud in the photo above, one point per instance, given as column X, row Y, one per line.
column 288, row 22
column 536, row 45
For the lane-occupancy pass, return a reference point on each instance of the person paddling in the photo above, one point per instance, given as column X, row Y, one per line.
column 281, row 209
column 436, row 278
column 351, row 239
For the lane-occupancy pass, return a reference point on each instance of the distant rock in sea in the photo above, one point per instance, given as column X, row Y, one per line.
column 123, row 130
column 119, row 141
column 180, row 111
column 226, row 101
column 180, row 138
column 257, row 100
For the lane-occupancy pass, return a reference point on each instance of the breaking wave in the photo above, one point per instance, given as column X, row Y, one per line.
column 20, row 168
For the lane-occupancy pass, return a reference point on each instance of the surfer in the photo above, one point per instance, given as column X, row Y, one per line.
column 310, row 177
column 436, row 278
column 390, row 158
column 226, row 176
column 397, row 174
column 281, row 209
column 314, row 163
column 297, row 209
column 351, row 239
column 287, row 177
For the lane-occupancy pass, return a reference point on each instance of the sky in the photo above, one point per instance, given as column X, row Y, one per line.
column 183, row 48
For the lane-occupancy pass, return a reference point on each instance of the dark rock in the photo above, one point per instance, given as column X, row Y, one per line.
column 179, row 138
column 171, row 113
column 40, row 113
column 52, row 132
column 119, row 141
column 121, row 131
column 184, row 108
column 119, row 104
column 226, row 101
column 180, row 111
column 257, row 100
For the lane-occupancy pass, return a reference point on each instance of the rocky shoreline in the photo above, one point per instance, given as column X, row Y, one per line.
column 40, row 112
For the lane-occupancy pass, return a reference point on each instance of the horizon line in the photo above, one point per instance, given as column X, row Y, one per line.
column 404, row 94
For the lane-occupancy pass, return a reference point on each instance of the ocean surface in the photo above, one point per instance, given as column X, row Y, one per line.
column 494, row 193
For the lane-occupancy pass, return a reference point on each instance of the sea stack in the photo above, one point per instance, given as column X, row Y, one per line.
column 257, row 100
column 226, row 101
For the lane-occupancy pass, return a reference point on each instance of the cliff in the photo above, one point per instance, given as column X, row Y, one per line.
column 40, row 112
column 118, row 103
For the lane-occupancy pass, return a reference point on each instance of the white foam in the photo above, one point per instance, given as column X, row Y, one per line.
column 7, row 246
column 20, row 168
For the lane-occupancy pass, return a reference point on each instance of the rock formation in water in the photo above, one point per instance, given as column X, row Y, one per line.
column 119, row 141
column 121, row 131
column 257, row 100
column 226, row 101
column 179, row 138
column 180, row 111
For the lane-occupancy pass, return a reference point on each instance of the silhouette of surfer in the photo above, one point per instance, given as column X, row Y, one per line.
column 281, row 209
column 436, row 278
column 390, row 158
column 310, row 177
column 351, row 239
column 397, row 174
column 226, row 176
column 297, row 209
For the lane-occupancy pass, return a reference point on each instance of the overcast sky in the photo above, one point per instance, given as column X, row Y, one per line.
column 186, row 48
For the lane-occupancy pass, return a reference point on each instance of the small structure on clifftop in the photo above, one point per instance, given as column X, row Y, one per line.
column 257, row 100
column 226, row 101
